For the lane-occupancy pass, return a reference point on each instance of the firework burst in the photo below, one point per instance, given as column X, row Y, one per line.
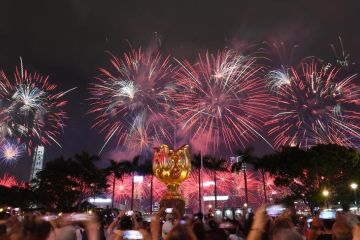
column 132, row 104
column 10, row 152
column 315, row 105
column 10, row 181
column 233, row 184
column 31, row 108
column 221, row 99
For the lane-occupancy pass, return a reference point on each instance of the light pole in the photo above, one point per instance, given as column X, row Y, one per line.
column 326, row 194
column 237, row 160
column 354, row 187
column 245, row 183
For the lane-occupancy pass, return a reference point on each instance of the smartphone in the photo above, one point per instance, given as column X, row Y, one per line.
column 275, row 210
column 168, row 210
column 327, row 214
column 50, row 217
column 129, row 213
column 308, row 223
column 132, row 235
column 78, row 217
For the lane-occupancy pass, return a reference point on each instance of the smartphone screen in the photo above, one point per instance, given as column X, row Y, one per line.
column 129, row 213
column 50, row 217
column 78, row 217
column 168, row 210
column 328, row 214
column 308, row 223
column 132, row 235
column 275, row 210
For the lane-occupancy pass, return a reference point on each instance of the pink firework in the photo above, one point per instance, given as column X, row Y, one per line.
column 316, row 104
column 232, row 184
column 159, row 188
column 132, row 103
column 123, row 188
column 221, row 100
column 31, row 108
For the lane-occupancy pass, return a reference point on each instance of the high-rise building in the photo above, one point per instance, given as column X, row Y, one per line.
column 38, row 159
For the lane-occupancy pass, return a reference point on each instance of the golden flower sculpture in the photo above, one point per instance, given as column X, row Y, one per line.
column 172, row 167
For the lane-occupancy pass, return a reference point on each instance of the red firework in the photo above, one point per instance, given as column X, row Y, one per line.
column 132, row 103
column 10, row 181
column 221, row 100
column 316, row 104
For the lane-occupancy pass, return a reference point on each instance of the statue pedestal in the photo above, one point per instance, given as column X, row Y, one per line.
column 173, row 199
column 177, row 203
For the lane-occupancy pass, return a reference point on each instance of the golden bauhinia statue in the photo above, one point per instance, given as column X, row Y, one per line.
column 172, row 167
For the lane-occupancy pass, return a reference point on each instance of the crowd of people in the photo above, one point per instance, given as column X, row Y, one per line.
column 164, row 225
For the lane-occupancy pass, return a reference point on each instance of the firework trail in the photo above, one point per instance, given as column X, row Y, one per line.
column 31, row 108
column 221, row 100
column 10, row 152
column 342, row 57
column 132, row 104
column 315, row 105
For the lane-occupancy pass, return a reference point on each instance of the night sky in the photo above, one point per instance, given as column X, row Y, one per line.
column 70, row 39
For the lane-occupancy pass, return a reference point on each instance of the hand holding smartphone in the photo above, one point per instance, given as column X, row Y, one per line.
column 169, row 210
column 132, row 235
column 275, row 210
column 129, row 213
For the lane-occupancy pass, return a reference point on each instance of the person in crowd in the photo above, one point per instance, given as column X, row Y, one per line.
column 199, row 230
column 122, row 223
column 138, row 225
column 215, row 232
column 181, row 232
column 341, row 231
column 31, row 228
column 350, row 219
column 167, row 226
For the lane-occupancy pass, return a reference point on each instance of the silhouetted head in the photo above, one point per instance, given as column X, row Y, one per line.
column 345, row 207
column 181, row 232
column 341, row 231
column 125, row 223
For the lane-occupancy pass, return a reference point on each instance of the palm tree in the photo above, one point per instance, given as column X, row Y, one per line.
column 196, row 164
column 129, row 168
column 115, row 169
column 246, row 157
column 213, row 164
column 91, row 179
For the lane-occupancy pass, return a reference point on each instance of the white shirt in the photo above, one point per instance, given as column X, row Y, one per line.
column 166, row 228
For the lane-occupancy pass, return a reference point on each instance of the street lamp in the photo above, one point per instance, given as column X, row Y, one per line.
column 326, row 194
column 354, row 187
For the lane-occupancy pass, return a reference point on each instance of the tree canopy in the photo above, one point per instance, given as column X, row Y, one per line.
column 306, row 173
